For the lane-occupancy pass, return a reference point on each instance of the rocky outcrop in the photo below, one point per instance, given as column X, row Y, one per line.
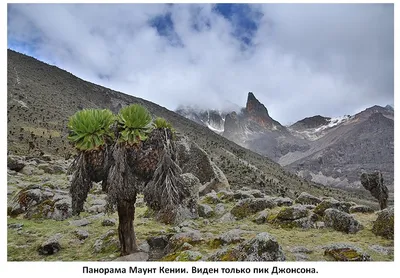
column 263, row 247
column 192, row 159
column 373, row 182
column 341, row 221
column 360, row 209
column 384, row 224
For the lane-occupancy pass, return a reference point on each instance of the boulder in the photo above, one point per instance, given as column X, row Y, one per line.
column 81, row 234
column 157, row 242
column 341, row 221
column 205, row 211
column 282, row 201
column 293, row 213
column 177, row 240
column 360, row 209
column 211, row 198
column 51, row 245
column 263, row 247
column 79, row 223
column 373, row 182
column 15, row 163
column 107, row 243
column 384, row 225
column 109, row 222
column 345, row 252
column 219, row 209
column 250, row 206
column 307, row 199
column 331, row 203
column 231, row 237
column 227, row 218
column 192, row 159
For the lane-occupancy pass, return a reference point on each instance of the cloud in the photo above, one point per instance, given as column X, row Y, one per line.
column 299, row 60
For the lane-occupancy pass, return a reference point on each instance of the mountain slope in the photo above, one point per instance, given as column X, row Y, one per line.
column 41, row 98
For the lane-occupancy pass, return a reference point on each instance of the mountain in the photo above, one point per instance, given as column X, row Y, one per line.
column 41, row 98
column 331, row 151
column 212, row 119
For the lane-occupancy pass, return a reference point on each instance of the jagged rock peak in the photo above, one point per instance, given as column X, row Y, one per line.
column 254, row 106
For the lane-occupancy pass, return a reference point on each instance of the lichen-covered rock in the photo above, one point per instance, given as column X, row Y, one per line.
column 331, row 203
column 225, row 195
column 107, row 243
column 293, row 213
column 225, row 255
column 345, row 252
column 15, row 163
column 282, row 201
column 341, row 221
column 230, row 237
column 211, row 198
column 192, row 159
column 79, row 223
column 51, row 245
column 307, row 199
column 205, row 210
column 250, row 206
column 219, row 209
column 109, row 222
column 189, row 256
column 261, row 217
column 263, row 247
column 384, row 224
column 227, row 218
column 360, row 209
column 249, row 193
column 177, row 240
column 81, row 234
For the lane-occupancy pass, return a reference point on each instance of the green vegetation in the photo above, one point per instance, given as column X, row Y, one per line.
column 90, row 128
column 134, row 123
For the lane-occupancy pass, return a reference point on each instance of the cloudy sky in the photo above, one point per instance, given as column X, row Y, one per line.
column 298, row 59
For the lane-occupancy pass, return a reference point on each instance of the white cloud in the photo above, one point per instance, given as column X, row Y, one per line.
column 306, row 60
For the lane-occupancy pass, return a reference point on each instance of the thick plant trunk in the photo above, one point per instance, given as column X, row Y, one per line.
column 126, row 232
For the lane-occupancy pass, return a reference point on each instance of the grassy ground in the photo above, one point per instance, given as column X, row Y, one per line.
column 23, row 245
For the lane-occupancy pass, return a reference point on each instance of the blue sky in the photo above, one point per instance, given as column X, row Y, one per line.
column 308, row 59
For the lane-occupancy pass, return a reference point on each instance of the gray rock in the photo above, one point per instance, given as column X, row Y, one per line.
column 329, row 203
column 97, row 209
column 225, row 195
column 157, row 242
column 240, row 195
column 177, row 240
column 384, row 224
column 144, row 246
column 81, row 234
column 232, row 236
column 293, row 213
column 109, row 222
column 360, row 209
column 307, row 199
column 227, row 218
column 51, row 245
column 219, row 209
column 211, row 198
column 135, row 257
column 250, row 206
column 382, row 250
column 106, row 242
column 192, row 159
column 261, row 217
column 300, row 249
column 15, row 226
column 282, row 201
column 341, row 221
column 205, row 211
column 263, row 247
column 345, row 252
column 79, row 223
column 15, row 163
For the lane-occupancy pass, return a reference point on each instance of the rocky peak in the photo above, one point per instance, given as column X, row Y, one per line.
column 311, row 122
column 257, row 112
